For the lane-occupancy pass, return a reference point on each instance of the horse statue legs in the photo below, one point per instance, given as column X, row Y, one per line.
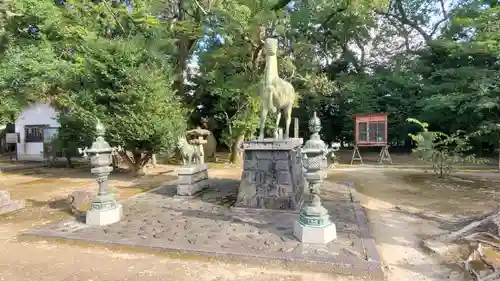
column 263, row 116
column 288, row 120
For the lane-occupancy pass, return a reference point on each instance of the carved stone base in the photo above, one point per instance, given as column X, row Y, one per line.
column 7, row 205
column 192, row 179
column 314, row 235
column 104, row 216
column 272, row 175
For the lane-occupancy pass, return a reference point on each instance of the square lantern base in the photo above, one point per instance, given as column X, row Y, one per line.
column 104, row 217
column 314, row 235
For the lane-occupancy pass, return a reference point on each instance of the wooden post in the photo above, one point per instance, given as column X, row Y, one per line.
column 13, row 152
column 356, row 155
column 384, row 155
column 296, row 127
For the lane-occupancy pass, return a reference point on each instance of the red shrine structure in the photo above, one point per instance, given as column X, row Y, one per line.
column 370, row 130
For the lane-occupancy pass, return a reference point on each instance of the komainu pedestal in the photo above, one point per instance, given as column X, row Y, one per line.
column 192, row 179
column 272, row 175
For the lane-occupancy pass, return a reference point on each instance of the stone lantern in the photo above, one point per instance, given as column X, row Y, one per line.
column 314, row 225
column 193, row 177
column 334, row 147
column 104, row 209
column 198, row 137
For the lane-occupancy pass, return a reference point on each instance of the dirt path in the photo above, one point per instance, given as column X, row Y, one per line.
column 397, row 235
column 43, row 261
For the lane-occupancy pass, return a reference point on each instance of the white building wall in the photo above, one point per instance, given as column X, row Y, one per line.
column 36, row 114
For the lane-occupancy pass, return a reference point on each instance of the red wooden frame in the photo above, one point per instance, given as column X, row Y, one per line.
column 370, row 119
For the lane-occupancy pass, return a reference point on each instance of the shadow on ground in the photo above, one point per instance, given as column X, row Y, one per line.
column 462, row 194
column 82, row 171
column 223, row 192
column 46, row 194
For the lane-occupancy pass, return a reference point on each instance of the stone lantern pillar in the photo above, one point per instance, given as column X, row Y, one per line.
column 104, row 209
column 314, row 225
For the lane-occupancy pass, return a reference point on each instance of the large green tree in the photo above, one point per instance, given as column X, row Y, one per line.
column 309, row 33
column 98, row 59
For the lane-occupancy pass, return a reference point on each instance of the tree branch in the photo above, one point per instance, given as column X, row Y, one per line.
column 402, row 17
column 436, row 26
column 362, row 49
column 349, row 56
column 406, row 21
column 146, row 158
column 280, row 5
column 200, row 7
column 126, row 158
column 335, row 12
column 443, row 9
column 114, row 16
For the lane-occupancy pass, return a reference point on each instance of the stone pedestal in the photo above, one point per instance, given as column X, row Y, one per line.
column 272, row 175
column 7, row 205
column 104, row 217
column 314, row 225
column 192, row 179
column 314, row 235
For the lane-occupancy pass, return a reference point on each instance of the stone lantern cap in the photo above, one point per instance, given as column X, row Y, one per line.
column 198, row 132
column 99, row 145
column 197, row 136
column 314, row 145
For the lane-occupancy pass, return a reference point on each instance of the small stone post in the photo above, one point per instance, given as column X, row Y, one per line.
column 296, row 127
column 153, row 160
column 314, row 225
column 104, row 209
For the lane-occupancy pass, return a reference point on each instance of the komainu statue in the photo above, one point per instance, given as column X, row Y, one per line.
column 190, row 153
column 275, row 93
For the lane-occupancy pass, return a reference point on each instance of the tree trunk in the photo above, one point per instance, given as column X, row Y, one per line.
column 236, row 151
column 68, row 158
column 141, row 160
column 139, row 171
column 137, row 162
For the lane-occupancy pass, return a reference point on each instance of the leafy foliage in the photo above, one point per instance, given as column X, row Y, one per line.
column 442, row 150
column 435, row 60
column 97, row 60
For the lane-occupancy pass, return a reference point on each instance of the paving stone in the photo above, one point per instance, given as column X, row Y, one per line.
column 156, row 220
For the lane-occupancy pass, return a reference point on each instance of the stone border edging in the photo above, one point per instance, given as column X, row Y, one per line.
column 366, row 236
